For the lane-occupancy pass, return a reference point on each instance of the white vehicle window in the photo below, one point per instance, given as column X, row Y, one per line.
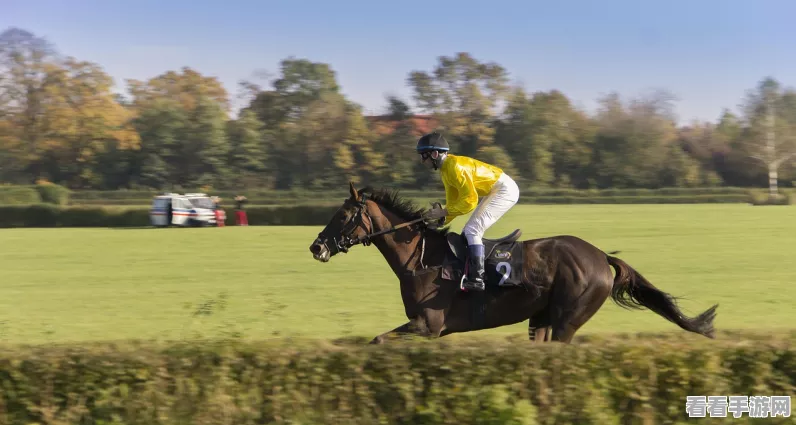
column 202, row 203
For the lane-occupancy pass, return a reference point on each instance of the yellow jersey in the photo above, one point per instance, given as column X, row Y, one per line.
column 465, row 180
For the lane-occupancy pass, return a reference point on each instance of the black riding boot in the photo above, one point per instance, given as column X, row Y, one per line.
column 475, row 273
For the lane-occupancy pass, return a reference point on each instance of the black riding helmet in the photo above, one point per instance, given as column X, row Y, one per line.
column 432, row 142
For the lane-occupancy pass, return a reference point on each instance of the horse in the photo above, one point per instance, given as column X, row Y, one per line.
column 556, row 283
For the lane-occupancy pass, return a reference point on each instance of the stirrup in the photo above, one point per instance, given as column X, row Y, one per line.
column 476, row 285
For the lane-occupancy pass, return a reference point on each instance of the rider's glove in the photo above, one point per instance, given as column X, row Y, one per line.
column 435, row 215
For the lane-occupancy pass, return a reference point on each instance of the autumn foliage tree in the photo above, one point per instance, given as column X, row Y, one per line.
column 59, row 115
column 62, row 120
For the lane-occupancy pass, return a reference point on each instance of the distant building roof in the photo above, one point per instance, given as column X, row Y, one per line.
column 384, row 124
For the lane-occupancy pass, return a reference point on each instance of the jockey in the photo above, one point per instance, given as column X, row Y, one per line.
column 465, row 180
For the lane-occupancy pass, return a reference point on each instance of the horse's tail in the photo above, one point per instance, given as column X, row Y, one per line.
column 632, row 291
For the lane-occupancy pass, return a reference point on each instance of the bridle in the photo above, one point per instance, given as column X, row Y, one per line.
column 358, row 220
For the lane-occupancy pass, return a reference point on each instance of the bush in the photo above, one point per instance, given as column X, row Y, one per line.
column 45, row 192
column 760, row 199
column 405, row 383
column 18, row 195
column 50, row 193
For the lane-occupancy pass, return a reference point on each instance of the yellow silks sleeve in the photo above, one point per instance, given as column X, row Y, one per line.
column 465, row 179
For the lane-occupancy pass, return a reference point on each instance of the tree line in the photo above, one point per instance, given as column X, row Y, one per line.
column 60, row 121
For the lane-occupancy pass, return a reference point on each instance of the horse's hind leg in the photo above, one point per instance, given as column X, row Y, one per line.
column 412, row 327
column 400, row 330
column 539, row 329
column 585, row 306
column 539, row 334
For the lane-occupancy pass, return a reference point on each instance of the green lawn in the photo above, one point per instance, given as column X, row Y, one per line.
column 110, row 284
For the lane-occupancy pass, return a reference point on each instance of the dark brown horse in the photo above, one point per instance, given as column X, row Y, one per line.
column 563, row 280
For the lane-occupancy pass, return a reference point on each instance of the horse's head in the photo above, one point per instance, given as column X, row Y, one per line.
column 348, row 227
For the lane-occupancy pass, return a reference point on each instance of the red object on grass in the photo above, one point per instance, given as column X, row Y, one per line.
column 241, row 218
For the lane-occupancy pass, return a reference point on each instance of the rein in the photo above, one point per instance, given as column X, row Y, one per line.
column 346, row 241
column 365, row 240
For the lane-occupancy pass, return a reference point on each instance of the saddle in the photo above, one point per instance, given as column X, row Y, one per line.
column 503, row 259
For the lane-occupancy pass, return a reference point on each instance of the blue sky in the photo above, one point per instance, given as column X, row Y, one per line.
column 706, row 52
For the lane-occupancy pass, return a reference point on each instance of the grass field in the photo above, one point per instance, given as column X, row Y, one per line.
column 59, row 285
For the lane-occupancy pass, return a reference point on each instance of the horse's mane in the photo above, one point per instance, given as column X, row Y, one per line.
column 403, row 208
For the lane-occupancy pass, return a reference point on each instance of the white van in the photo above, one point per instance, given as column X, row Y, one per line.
column 189, row 210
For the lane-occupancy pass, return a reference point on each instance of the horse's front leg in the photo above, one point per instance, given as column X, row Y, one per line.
column 413, row 327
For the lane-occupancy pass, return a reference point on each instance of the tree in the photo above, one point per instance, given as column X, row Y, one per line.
column 302, row 82
column 26, row 62
column 206, row 143
column 395, row 135
column 187, row 87
column 549, row 140
column 680, row 170
column 195, row 147
column 771, row 116
column 463, row 94
column 161, row 126
column 632, row 142
column 86, row 122
column 368, row 161
column 58, row 114
column 703, row 144
column 247, row 144
column 515, row 136
column 301, row 105
column 312, row 155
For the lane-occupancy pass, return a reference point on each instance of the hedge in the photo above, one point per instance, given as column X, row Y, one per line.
column 403, row 383
column 46, row 215
column 19, row 195
column 529, row 195
column 639, row 199
column 47, row 193
column 16, row 195
column 525, row 199
column 43, row 215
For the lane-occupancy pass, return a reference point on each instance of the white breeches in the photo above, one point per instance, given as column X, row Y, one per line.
column 503, row 196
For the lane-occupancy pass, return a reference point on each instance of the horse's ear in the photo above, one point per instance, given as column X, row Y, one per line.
column 354, row 193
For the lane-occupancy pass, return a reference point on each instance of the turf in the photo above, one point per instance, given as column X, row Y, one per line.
column 59, row 285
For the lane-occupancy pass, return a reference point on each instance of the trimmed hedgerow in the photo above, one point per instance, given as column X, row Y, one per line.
column 528, row 195
column 46, row 215
column 405, row 383
column 18, row 195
